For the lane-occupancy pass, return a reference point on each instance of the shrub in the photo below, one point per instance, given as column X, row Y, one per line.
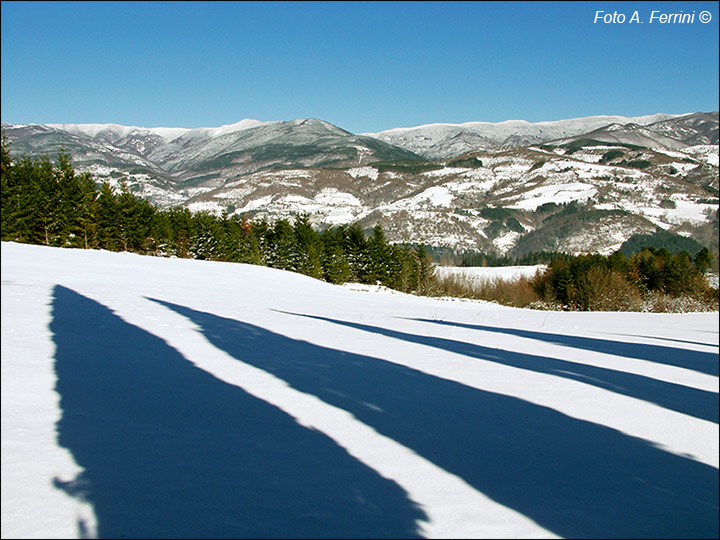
column 649, row 278
column 603, row 289
column 516, row 293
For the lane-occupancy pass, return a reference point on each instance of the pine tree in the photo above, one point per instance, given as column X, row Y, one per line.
column 308, row 247
column 282, row 249
column 703, row 260
column 335, row 265
column 182, row 228
column 70, row 203
column 355, row 247
column 109, row 234
column 425, row 271
column 379, row 254
column 46, row 195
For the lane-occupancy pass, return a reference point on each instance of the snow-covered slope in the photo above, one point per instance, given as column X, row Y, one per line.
column 147, row 397
column 635, row 174
column 113, row 132
column 672, row 134
column 437, row 141
column 461, row 207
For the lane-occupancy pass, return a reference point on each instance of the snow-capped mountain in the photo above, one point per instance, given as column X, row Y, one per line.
column 578, row 185
column 177, row 159
column 671, row 134
column 437, row 141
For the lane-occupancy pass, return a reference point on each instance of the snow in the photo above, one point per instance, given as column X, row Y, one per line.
column 255, row 204
column 705, row 152
column 150, row 397
column 506, row 273
column 560, row 193
column 333, row 197
column 369, row 172
column 684, row 211
column 91, row 130
column 511, row 127
column 688, row 210
column 447, row 140
column 247, row 123
column 330, row 206
column 206, row 206
column 167, row 133
column 435, row 196
column 432, row 197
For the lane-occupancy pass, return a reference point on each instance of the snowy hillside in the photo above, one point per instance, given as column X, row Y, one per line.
column 148, row 397
column 625, row 176
column 437, row 141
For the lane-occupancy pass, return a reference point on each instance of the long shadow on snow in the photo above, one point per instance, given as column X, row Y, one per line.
column 674, row 340
column 703, row 362
column 677, row 397
column 575, row 478
column 169, row 450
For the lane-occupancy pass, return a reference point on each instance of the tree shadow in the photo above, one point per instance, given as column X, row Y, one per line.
column 659, row 338
column 573, row 477
column 703, row 362
column 694, row 402
column 170, row 451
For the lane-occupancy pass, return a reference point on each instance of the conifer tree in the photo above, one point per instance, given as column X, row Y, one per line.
column 71, row 201
column 281, row 246
column 335, row 265
column 252, row 248
column 206, row 241
column 379, row 254
column 425, row 271
column 355, row 247
column 182, row 228
column 109, row 235
column 703, row 260
column 46, row 197
column 308, row 248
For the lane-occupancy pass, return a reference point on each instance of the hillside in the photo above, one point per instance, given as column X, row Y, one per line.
column 150, row 397
column 578, row 185
column 441, row 141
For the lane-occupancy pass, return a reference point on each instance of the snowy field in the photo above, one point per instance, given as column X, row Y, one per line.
column 484, row 273
column 147, row 397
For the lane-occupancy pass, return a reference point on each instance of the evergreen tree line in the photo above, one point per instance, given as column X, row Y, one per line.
column 49, row 204
column 528, row 259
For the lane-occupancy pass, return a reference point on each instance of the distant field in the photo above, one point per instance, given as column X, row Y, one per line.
column 507, row 273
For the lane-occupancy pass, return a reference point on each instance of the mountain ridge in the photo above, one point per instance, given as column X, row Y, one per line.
column 618, row 178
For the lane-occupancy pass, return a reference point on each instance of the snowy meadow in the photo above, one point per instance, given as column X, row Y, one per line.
column 151, row 397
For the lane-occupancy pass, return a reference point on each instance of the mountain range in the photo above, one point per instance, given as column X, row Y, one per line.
column 577, row 185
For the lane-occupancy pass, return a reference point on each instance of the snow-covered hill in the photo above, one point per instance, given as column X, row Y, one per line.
column 147, row 397
column 675, row 133
column 624, row 175
column 493, row 207
column 438, row 141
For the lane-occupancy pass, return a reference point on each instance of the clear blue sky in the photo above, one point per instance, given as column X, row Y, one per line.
column 364, row 66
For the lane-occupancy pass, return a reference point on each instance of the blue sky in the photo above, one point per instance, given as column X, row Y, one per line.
column 364, row 66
